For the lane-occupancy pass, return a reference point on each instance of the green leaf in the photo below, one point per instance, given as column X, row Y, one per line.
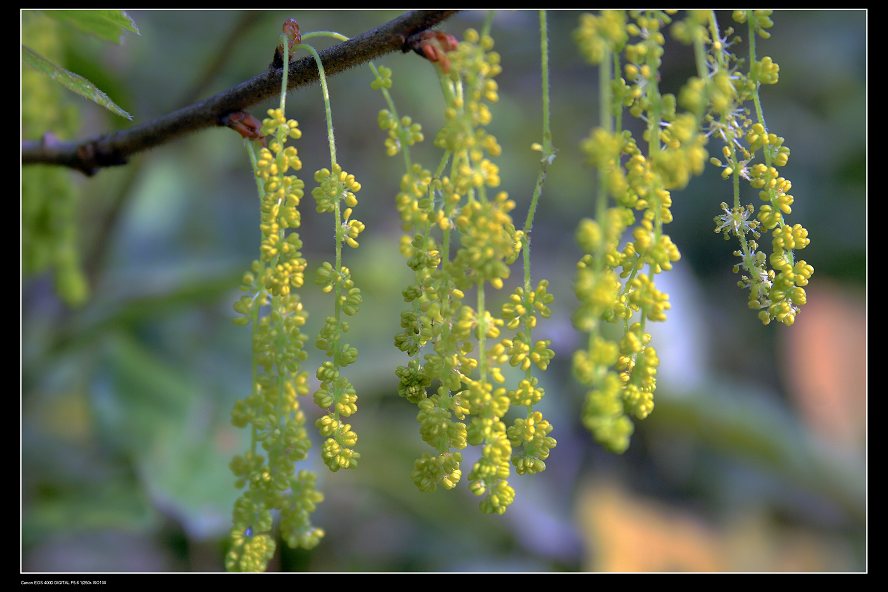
column 175, row 432
column 108, row 25
column 71, row 81
column 747, row 424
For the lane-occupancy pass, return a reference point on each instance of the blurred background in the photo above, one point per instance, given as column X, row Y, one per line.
column 754, row 458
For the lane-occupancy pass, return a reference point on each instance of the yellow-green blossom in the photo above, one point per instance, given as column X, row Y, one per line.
column 272, row 410
column 753, row 153
column 336, row 194
column 615, row 280
column 461, row 239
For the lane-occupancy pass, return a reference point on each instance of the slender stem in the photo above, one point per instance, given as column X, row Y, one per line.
column 654, row 98
column 653, row 93
column 441, row 165
column 337, row 211
column 337, row 311
column 402, row 133
column 760, row 115
column 488, row 21
column 445, row 247
column 446, row 86
column 286, row 45
column 333, row 34
column 251, row 151
column 735, row 177
column 528, row 225
column 700, row 59
column 605, row 76
column 405, row 149
column 258, row 298
column 700, row 56
column 482, row 332
column 448, row 208
column 618, row 111
column 755, row 95
column 735, row 183
column 544, row 65
column 548, row 154
column 605, row 117
column 331, row 140
column 279, row 404
column 761, row 118
column 482, row 190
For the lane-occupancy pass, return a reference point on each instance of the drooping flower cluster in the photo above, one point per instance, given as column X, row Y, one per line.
column 615, row 279
column 775, row 281
column 460, row 237
column 612, row 285
column 278, row 343
column 272, row 410
column 336, row 393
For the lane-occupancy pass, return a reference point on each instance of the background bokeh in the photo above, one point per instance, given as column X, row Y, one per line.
column 754, row 458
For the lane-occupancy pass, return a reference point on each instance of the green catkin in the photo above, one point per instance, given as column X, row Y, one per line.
column 335, row 394
column 750, row 153
column 272, row 411
column 615, row 284
column 459, row 237
column 776, row 282
column 273, row 307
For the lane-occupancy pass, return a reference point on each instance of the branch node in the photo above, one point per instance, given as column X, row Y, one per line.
column 294, row 38
column 243, row 123
column 433, row 46
column 86, row 156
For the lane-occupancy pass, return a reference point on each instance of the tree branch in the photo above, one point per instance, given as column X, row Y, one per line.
column 92, row 154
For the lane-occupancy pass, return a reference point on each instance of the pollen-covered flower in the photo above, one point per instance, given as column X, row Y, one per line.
column 335, row 185
column 736, row 222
